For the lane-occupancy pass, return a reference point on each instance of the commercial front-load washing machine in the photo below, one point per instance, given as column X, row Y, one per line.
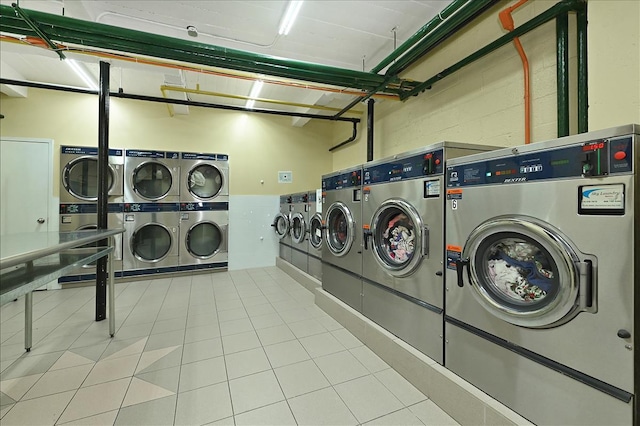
column 403, row 232
column 204, row 177
column 151, row 233
column 204, row 235
column 80, row 217
column 314, row 237
column 299, row 218
column 281, row 226
column 342, row 249
column 79, row 174
column 151, row 176
column 542, row 276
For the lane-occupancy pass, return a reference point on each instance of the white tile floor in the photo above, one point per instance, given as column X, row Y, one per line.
column 230, row 348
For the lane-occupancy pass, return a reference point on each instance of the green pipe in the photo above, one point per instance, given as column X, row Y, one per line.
column 69, row 30
column 562, row 72
column 583, row 84
column 546, row 16
column 34, row 27
column 440, row 34
column 452, row 8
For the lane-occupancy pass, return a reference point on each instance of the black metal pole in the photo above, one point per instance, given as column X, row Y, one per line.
column 583, row 84
column 562, row 57
column 370, row 130
column 103, row 170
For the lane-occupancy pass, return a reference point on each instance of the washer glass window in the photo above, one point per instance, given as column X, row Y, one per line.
column 81, row 178
column 297, row 228
column 152, row 180
column 340, row 229
column 151, row 242
column 315, row 231
column 516, row 271
column 395, row 237
column 205, row 181
column 204, row 239
column 281, row 225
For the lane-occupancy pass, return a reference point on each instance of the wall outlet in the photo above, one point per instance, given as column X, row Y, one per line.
column 285, row 177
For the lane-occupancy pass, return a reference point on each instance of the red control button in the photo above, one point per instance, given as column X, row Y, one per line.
column 620, row 155
column 437, row 161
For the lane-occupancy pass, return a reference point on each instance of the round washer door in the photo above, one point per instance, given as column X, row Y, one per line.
column 315, row 231
column 204, row 240
column 298, row 228
column 80, row 178
column 397, row 232
column 281, row 225
column 152, row 180
column 205, row 181
column 340, row 231
column 151, row 242
column 525, row 272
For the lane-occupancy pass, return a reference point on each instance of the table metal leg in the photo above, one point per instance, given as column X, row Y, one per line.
column 28, row 320
column 112, row 307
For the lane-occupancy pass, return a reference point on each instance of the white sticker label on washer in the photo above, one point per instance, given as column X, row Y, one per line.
column 318, row 233
column 431, row 188
column 602, row 197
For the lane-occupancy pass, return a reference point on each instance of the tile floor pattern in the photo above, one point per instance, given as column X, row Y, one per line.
column 229, row 348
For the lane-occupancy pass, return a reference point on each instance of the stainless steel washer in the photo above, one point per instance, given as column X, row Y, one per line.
column 204, row 235
column 151, row 176
column 79, row 174
column 299, row 218
column 151, row 238
column 402, row 214
column 342, row 249
column 542, row 276
column 314, row 236
column 282, row 227
column 204, row 177
column 79, row 217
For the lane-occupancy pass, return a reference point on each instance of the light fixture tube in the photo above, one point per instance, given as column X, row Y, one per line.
column 289, row 16
column 82, row 73
column 255, row 91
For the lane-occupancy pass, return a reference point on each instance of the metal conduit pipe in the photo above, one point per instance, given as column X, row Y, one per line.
column 583, row 103
column 351, row 139
column 546, row 16
column 370, row 130
column 175, row 101
column 562, row 73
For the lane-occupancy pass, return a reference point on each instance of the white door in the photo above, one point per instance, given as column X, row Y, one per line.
column 26, row 187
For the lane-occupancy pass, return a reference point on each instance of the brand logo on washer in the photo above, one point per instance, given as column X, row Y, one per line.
column 514, row 180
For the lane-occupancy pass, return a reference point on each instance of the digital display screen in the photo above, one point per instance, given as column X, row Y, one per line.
column 592, row 146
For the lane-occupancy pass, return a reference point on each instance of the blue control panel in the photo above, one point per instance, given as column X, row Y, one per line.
column 199, row 207
column 300, row 198
column 596, row 158
column 204, row 156
column 349, row 179
column 151, row 207
column 152, row 154
column 89, row 208
column 417, row 166
column 87, row 150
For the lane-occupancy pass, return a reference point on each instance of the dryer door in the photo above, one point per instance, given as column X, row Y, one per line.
column 151, row 242
column 204, row 240
column 80, row 178
column 525, row 272
column 298, row 228
column 400, row 239
column 152, row 180
column 281, row 225
column 315, row 231
column 205, row 181
column 340, row 231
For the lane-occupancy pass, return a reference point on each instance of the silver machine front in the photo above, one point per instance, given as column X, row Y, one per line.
column 342, row 248
column 403, row 235
column 80, row 217
column 204, row 177
column 315, row 234
column 151, row 176
column 542, row 276
column 282, row 228
column 79, row 175
column 204, row 236
column 299, row 219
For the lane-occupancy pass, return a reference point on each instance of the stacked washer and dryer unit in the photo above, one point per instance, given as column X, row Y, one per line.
column 542, row 276
column 79, row 196
column 403, row 240
column 204, row 211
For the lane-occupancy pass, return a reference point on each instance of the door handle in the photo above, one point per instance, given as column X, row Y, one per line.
column 40, row 220
column 425, row 242
column 460, row 264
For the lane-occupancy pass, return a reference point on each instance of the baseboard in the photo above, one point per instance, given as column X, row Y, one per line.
column 304, row 279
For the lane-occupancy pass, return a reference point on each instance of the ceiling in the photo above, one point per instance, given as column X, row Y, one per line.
column 347, row 34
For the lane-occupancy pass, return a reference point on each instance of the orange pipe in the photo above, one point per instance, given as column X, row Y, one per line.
column 507, row 23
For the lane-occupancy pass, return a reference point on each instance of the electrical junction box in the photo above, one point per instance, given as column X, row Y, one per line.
column 285, row 177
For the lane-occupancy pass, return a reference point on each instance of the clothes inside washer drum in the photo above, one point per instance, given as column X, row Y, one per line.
column 399, row 239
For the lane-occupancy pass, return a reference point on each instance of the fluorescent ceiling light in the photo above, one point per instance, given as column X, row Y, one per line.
column 255, row 91
column 289, row 16
column 83, row 73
